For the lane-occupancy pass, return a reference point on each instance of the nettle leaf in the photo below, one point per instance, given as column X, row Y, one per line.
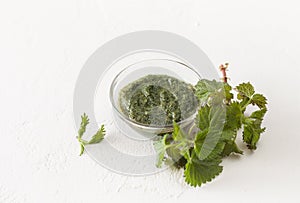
column 198, row 172
column 234, row 116
column 231, row 147
column 247, row 96
column 217, row 117
column 160, row 148
column 205, row 88
column 259, row 114
column 84, row 122
column 217, row 132
column 180, row 145
column 178, row 134
column 252, row 132
column 208, row 147
column 228, row 134
column 213, row 92
column 208, row 143
column 252, row 128
column 202, row 118
column 199, row 141
column 259, row 100
column 245, row 90
column 233, row 123
column 98, row 137
column 244, row 103
column 227, row 91
column 174, row 152
column 211, row 117
column 171, row 149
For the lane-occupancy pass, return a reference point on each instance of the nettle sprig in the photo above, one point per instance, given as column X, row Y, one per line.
column 220, row 116
column 97, row 137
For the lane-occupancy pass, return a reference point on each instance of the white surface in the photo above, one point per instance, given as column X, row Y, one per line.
column 43, row 45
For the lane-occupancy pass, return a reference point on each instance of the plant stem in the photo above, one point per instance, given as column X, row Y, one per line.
column 245, row 106
column 223, row 69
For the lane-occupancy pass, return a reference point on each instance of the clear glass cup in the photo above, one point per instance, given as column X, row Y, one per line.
column 143, row 68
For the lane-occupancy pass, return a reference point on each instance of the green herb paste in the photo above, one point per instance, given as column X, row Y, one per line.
column 158, row 100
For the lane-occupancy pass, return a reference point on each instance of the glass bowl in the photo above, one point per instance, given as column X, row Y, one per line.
column 143, row 68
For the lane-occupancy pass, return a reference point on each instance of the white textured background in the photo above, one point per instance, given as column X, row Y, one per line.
column 43, row 45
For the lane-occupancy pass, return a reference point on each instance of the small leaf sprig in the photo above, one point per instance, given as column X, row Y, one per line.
column 97, row 137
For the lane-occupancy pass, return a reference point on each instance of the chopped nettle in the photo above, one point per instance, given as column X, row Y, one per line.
column 158, row 100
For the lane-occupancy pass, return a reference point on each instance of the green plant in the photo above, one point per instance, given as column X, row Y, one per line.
column 200, row 150
column 97, row 137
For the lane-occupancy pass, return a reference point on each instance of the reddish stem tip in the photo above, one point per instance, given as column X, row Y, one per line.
column 223, row 69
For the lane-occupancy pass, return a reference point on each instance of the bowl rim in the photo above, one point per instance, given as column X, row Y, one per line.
column 141, row 125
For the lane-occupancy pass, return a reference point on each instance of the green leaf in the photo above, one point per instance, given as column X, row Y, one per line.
column 233, row 121
column 252, row 128
column 160, row 148
column 231, row 147
column 83, row 124
column 259, row 100
column 199, row 141
column 81, row 149
column 245, row 90
column 228, row 134
column 178, row 134
column 246, row 94
column 208, row 146
column 244, row 103
column 228, row 94
column 213, row 92
column 208, row 143
column 252, row 132
column 210, row 116
column 205, row 88
column 259, row 114
column 233, row 116
column 217, row 117
column 176, row 149
column 181, row 137
column 174, row 152
column 202, row 118
column 198, row 172
column 98, row 137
